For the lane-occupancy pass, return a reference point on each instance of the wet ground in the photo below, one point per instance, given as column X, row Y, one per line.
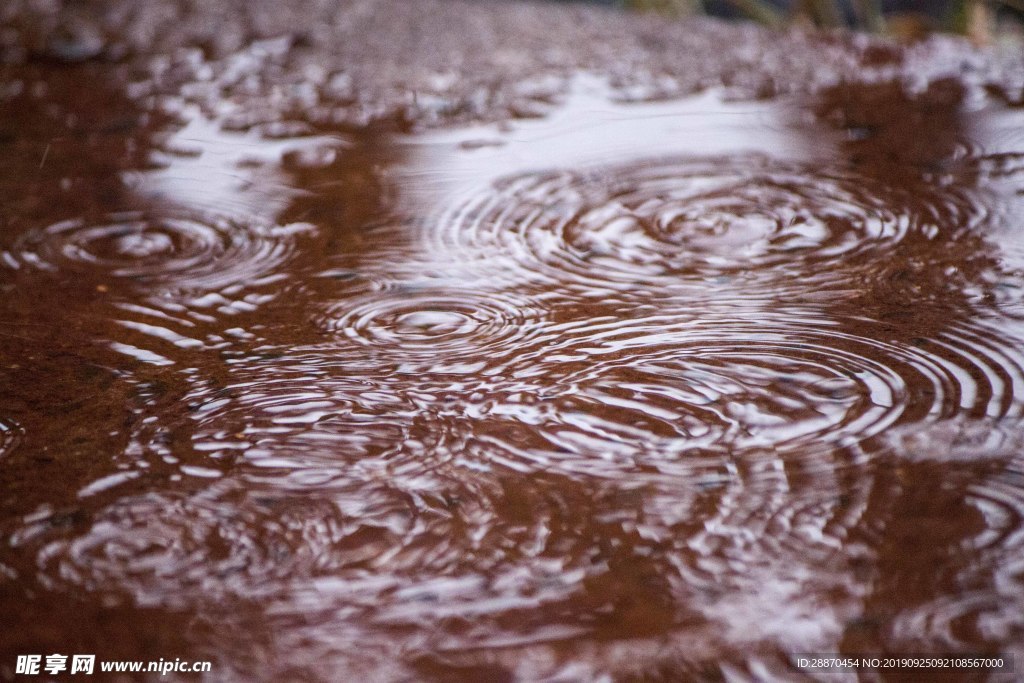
column 478, row 342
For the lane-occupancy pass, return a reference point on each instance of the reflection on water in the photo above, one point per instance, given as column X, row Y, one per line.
column 671, row 389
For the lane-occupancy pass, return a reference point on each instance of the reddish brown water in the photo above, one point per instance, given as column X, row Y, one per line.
column 665, row 391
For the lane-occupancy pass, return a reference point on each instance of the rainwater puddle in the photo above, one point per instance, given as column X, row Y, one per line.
column 658, row 389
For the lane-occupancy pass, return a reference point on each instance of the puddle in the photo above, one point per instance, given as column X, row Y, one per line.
column 628, row 390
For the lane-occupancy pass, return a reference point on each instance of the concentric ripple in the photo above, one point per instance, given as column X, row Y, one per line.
column 170, row 251
column 166, row 549
column 437, row 323
column 658, row 221
column 646, row 392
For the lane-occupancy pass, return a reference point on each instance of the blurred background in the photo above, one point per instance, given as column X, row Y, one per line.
column 983, row 20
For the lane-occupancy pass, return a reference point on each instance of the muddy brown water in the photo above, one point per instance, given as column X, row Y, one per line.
column 667, row 390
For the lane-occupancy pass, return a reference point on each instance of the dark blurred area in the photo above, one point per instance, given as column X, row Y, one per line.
column 900, row 17
column 73, row 31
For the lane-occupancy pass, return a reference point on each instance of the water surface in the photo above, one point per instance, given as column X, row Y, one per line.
column 650, row 390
